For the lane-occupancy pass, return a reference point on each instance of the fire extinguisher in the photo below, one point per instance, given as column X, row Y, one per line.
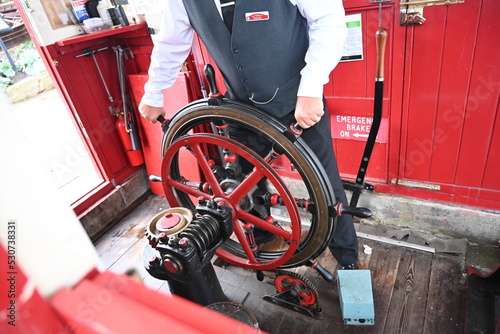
column 133, row 152
column 125, row 123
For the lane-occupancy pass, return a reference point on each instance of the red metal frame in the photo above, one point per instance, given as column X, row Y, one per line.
column 104, row 302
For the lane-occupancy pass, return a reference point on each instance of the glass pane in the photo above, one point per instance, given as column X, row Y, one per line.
column 58, row 12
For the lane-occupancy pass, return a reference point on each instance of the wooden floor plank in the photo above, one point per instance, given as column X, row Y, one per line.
column 445, row 305
column 120, row 238
column 383, row 263
column 414, row 291
column 406, row 313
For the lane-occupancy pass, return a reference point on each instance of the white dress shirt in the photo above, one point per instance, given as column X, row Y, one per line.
column 172, row 44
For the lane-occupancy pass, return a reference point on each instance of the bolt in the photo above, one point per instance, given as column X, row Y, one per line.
column 172, row 241
column 183, row 243
column 172, row 265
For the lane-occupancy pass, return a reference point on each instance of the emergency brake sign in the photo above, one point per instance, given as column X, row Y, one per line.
column 357, row 128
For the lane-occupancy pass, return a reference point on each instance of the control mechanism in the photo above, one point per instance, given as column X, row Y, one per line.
column 181, row 245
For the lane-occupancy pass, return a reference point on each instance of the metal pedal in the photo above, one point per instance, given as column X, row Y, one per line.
column 356, row 297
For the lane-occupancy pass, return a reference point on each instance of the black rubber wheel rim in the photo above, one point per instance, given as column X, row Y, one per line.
column 198, row 117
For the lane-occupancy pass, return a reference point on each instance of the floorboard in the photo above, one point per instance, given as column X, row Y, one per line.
column 445, row 305
column 409, row 298
column 414, row 291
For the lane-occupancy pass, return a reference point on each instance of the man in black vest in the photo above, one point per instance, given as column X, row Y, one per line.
column 276, row 55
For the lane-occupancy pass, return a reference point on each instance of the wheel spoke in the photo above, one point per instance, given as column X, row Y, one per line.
column 244, row 243
column 206, row 169
column 248, row 217
column 187, row 189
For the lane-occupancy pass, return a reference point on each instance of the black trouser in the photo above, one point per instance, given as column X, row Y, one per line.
column 344, row 243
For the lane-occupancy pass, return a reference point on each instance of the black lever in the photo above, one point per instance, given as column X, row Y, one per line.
column 320, row 269
column 164, row 123
column 293, row 132
column 358, row 212
column 214, row 97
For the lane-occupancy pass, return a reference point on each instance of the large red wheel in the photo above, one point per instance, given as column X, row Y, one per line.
column 237, row 196
column 200, row 161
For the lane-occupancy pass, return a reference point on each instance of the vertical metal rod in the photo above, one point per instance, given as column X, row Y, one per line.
column 9, row 58
column 380, row 14
column 102, row 78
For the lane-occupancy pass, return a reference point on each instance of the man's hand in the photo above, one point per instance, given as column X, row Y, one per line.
column 308, row 111
column 151, row 113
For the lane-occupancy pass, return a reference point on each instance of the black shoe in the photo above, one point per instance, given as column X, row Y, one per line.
column 348, row 267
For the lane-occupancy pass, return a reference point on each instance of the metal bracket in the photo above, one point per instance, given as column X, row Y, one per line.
column 411, row 16
column 412, row 11
column 424, row 3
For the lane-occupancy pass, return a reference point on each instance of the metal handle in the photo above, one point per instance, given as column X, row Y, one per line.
column 355, row 211
column 320, row 269
column 296, row 129
column 210, row 75
column 381, row 37
column 165, row 123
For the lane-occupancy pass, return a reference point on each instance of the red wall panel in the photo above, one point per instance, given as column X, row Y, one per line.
column 423, row 78
column 482, row 101
column 454, row 84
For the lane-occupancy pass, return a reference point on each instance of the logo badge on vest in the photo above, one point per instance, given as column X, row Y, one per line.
column 257, row 16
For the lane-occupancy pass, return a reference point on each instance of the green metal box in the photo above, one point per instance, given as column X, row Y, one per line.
column 356, row 297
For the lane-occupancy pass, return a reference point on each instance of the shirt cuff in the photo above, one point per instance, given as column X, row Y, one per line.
column 310, row 87
column 153, row 99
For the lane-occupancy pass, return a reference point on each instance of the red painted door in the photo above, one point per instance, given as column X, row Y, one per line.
column 441, row 102
column 450, row 139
